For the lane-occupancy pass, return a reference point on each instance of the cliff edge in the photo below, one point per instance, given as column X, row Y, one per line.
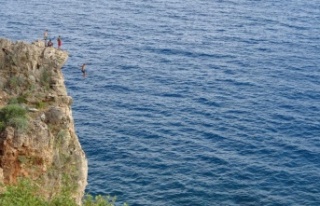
column 37, row 134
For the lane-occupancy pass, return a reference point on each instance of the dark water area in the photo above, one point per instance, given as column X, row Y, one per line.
column 190, row 102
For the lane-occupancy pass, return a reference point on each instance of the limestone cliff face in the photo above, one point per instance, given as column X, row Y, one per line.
column 48, row 150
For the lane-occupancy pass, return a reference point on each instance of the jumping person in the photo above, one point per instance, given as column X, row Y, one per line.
column 59, row 42
column 83, row 70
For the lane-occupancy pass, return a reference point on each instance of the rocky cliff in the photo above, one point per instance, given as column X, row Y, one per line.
column 41, row 144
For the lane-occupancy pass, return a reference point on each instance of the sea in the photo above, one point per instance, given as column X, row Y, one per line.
column 189, row 102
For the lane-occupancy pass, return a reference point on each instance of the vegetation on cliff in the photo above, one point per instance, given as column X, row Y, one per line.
column 15, row 116
column 37, row 135
column 27, row 193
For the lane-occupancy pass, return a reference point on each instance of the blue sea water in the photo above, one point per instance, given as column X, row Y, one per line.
column 194, row 102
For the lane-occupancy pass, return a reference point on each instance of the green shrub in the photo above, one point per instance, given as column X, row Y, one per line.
column 14, row 82
column 41, row 105
column 12, row 111
column 13, row 101
column 21, row 194
column 62, row 199
column 22, row 98
column 19, row 123
column 27, row 193
column 45, row 79
column 99, row 200
column 19, row 100
column 2, row 125
column 13, row 115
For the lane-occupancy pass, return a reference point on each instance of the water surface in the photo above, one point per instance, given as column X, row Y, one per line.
column 190, row 102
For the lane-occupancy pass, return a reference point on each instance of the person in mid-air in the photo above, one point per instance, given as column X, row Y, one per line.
column 59, row 42
column 83, row 70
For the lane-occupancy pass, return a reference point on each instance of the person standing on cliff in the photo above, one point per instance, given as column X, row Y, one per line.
column 45, row 37
column 59, row 42
column 83, row 70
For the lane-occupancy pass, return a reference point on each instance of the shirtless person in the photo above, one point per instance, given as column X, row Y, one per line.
column 59, row 42
column 83, row 69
